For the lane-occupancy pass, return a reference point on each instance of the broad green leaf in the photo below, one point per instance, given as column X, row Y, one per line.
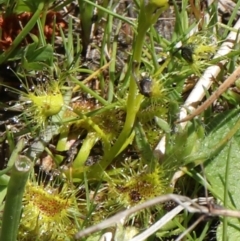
column 34, row 66
column 37, row 58
column 28, row 5
column 44, row 54
column 219, row 131
column 21, row 7
column 216, row 170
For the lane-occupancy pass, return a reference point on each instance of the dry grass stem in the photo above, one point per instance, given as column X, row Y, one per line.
column 160, row 223
column 185, row 202
column 222, row 88
column 205, row 81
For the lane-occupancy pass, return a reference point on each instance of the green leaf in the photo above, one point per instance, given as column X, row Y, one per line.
column 219, row 131
column 28, row 5
column 183, row 146
column 43, row 54
column 21, row 7
column 37, row 58
column 34, row 66
column 227, row 160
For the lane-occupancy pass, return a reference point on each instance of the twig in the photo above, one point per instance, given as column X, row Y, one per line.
column 206, row 80
column 160, row 223
column 222, row 88
column 116, row 218
column 185, row 202
column 204, row 83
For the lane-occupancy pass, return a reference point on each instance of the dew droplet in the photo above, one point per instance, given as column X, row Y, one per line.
column 15, row 119
column 6, row 89
column 23, row 164
column 49, row 190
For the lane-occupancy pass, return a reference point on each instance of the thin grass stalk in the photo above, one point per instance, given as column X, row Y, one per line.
column 70, row 46
column 112, row 67
column 107, row 11
column 42, row 39
column 88, row 90
column 226, row 193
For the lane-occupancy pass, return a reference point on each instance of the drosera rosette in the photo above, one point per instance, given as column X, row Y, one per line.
column 198, row 51
column 96, row 126
column 134, row 184
column 156, row 99
column 50, row 211
column 37, row 102
column 141, row 187
column 154, row 105
column 93, row 117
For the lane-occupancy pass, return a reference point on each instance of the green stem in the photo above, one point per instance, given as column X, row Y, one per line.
column 42, row 22
column 13, row 204
column 18, row 148
column 96, row 128
column 226, row 192
column 44, row 13
column 113, row 60
column 62, row 143
column 86, row 147
column 134, row 99
column 42, row 40
column 145, row 20
column 86, row 14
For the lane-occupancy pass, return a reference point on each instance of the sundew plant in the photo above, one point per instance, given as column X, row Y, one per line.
column 92, row 95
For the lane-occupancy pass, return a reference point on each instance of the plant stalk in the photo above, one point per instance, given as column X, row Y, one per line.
column 13, row 204
column 147, row 16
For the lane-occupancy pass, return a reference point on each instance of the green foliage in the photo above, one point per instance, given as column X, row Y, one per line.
column 117, row 123
column 37, row 58
column 222, row 173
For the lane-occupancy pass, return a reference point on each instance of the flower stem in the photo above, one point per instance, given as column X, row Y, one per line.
column 147, row 16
